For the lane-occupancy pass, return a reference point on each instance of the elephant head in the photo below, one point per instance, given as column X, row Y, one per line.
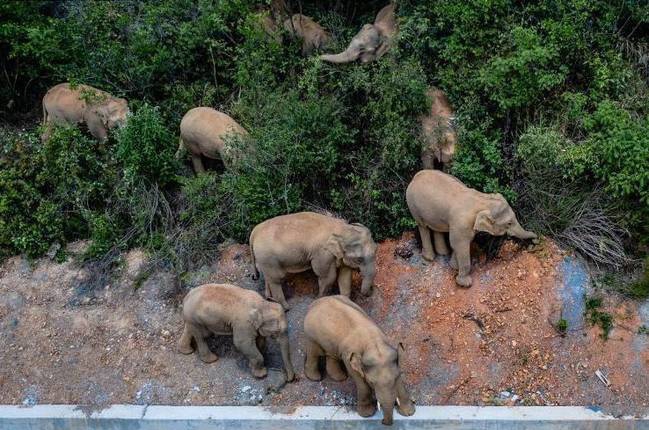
column 380, row 368
column 371, row 42
column 499, row 219
column 112, row 112
column 355, row 248
column 270, row 321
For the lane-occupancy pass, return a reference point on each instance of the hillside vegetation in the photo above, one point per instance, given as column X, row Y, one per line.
column 551, row 98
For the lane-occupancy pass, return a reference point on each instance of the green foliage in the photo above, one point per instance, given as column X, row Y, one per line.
column 145, row 147
column 561, row 326
column 596, row 316
column 550, row 98
column 48, row 190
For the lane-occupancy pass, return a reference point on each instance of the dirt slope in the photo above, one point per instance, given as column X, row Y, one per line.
column 491, row 344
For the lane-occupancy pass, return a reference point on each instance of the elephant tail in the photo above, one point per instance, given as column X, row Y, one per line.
column 44, row 115
column 181, row 145
column 255, row 271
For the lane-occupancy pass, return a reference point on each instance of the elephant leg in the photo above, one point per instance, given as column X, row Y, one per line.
column 461, row 244
column 366, row 402
column 198, row 164
column 327, row 275
column 313, row 354
column 334, row 370
column 47, row 131
column 427, row 159
column 273, row 280
column 453, row 261
column 246, row 343
column 345, row 280
column 267, row 289
column 440, row 243
column 204, row 353
column 427, row 250
column 185, row 342
column 261, row 343
column 405, row 405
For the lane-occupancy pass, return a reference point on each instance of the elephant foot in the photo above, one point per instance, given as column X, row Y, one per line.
column 406, row 409
column 443, row 252
column 366, row 410
column 208, row 357
column 428, row 256
column 464, row 281
column 367, row 292
column 290, row 376
column 286, row 306
column 185, row 349
column 312, row 374
column 453, row 262
column 259, row 372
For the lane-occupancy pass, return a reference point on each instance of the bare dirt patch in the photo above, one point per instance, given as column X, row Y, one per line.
column 494, row 343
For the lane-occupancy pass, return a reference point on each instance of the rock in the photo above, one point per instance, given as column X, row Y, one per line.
column 504, row 394
column 405, row 249
column 246, row 389
column 54, row 249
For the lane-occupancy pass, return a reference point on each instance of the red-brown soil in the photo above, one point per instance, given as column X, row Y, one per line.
column 494, row 343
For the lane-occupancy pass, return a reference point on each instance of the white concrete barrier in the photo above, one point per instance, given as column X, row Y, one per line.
column 135, row 417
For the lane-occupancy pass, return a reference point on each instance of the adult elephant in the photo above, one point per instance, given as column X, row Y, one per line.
column 372, row 42
column 442, row 203
column 298, row 242
column 202, row 132
column 339, row 331
column 67, row 104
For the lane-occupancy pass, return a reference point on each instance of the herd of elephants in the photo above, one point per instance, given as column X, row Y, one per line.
column 334, row 327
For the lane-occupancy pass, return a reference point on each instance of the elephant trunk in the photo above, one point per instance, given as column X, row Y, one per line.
column 386, row 402
column 286, row 356
column 517, row 231
column 369, row 273
column 347, row 56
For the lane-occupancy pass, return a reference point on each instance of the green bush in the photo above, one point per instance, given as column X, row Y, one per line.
column 145, row 148
column 49, row 189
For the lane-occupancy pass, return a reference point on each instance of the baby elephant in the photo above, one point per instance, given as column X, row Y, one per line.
column 442, row 203
column 202, row 131
column 338, row 330
column 65, row 104
column 298, row 242
column 224, row 309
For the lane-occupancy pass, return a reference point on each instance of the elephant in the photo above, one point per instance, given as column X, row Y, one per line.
column 202, row 131
column 442, row 203
column 224, row 309
column 313, row 36
column 301, row 241
column 67, row 104
column 340, row 331
column 439, row 135
column 372, row 41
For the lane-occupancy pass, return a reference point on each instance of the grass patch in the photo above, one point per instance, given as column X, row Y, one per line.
column 595, row 316
column 561, row 326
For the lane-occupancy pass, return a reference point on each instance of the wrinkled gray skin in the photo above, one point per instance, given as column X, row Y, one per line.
column 65, row 104
column 442, row 203
column 298, row 242
column 371, row 42
column 340, row 331
column 224, row 309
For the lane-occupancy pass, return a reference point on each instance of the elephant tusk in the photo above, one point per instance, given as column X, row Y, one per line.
column 378, row 405
column 398, row 402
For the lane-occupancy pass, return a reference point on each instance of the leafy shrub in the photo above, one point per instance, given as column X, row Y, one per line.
column 48, row 190
column 145, row 147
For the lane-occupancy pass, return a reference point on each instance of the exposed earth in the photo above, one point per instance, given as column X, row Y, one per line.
column 495, row 343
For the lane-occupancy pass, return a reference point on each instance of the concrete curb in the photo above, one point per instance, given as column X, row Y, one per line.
column 132, row 417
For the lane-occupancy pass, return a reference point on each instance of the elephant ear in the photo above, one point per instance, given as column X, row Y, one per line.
column 334, row 245
column 484, row 222
column 256, row 318
column 356, row 363
column 401, row 352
